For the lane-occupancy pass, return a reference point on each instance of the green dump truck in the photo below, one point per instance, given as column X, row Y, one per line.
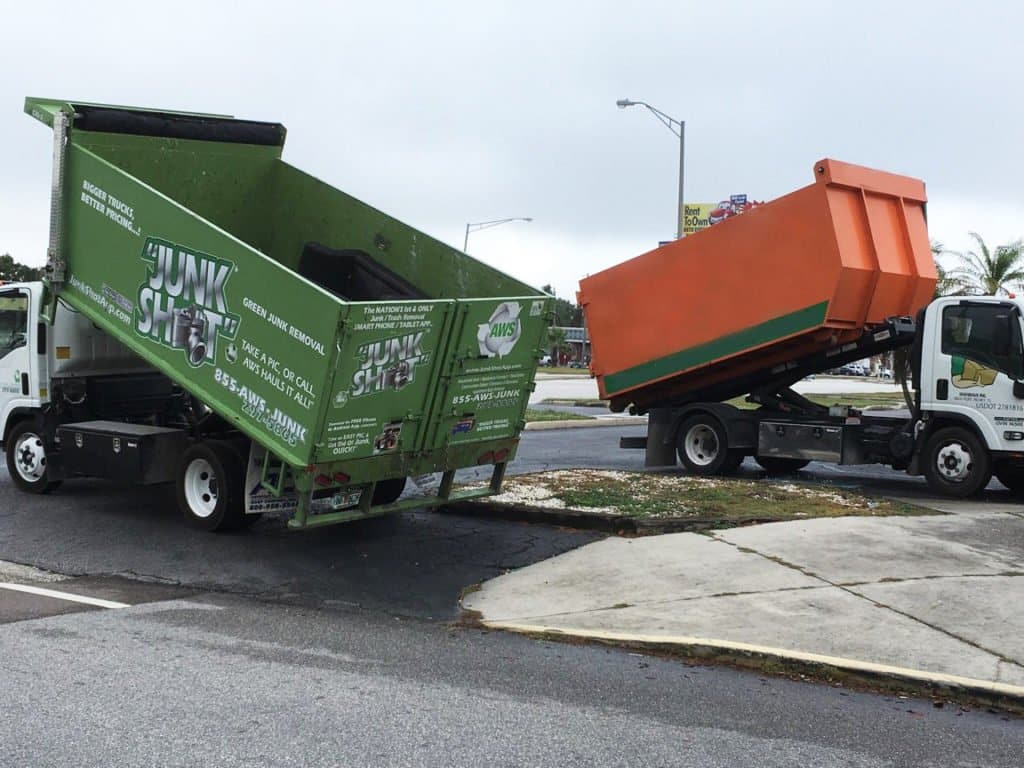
column 214, row 317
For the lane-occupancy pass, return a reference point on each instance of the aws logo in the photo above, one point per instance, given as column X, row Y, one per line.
column 498, row 336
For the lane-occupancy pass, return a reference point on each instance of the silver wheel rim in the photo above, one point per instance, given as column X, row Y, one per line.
column 201, row 488
column 30, row 457
column 701, row 445
column 953, row 462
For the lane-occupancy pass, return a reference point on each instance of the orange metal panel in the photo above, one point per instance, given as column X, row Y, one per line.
column 794, row 275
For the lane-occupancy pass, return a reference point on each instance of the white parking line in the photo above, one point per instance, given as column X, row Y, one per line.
column 62, row 595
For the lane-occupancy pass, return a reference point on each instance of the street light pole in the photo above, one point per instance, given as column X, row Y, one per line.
column 681, row 212
column 678, row 127
column 478, row 225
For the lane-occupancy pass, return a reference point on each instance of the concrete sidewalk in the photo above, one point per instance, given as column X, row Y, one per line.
column 934, row 601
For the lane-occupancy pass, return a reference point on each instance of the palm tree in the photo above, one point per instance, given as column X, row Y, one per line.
column 991, row 272
column 947, row 283
column 556, row 341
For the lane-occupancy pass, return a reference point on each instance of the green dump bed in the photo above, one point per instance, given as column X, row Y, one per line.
column 329, row 332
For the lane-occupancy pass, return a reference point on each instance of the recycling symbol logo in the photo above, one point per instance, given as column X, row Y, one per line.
column 498, row 336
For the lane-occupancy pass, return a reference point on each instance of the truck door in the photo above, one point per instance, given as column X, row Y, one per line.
column 15, row 354
column 978, row 358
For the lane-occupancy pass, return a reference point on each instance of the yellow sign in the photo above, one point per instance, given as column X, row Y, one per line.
column 696, row 216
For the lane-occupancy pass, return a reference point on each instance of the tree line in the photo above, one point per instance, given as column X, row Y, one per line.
column 13, row 272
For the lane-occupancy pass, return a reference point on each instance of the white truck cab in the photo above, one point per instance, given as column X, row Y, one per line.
column 23, row 368
column 34, row 356
column 23, row 352
column 971, row 389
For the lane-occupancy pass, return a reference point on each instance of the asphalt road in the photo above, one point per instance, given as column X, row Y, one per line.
column 413, row 564
column 228, row 681
column 337, row 647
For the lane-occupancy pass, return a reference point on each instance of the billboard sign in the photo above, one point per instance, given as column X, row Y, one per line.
column 698, row 216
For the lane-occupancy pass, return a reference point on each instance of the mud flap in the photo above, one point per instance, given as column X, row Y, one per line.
column 259, row 499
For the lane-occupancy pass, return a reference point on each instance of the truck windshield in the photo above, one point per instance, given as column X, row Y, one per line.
column 969, row 331
column 13, row 322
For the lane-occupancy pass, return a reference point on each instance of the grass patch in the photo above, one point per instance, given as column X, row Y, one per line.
column 576, row 402
column 647, row 495
column 546, row 414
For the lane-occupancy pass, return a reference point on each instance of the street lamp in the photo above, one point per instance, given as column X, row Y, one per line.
column 678, row 127
column 477, row 226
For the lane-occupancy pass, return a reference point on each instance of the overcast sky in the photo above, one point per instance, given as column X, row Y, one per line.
column 452, row 112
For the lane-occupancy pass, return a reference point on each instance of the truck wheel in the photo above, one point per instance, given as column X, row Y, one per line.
column 1011, row 477
column 388, row 491
column 775, row 465
column 956, row 463
column 703, row 446
column 732, row 463
column 26, row 458
column 210, row 487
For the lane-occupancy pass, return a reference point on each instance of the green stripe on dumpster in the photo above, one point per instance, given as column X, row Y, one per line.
column 724, row 346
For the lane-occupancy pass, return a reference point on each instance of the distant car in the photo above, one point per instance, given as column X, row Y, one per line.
column 545, row 361
column 853, row 369
column 577, row 364
column 885, row 373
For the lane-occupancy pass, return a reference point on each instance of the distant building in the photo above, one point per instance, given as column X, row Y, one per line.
column 578, row 342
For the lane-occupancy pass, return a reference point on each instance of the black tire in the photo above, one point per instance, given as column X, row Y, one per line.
column 1011, row 477
column 388, row 491
column 956, row 463
column 732, row 463
column 211, row 487
column 776, row 465
column 26, row 458
column 703, row 446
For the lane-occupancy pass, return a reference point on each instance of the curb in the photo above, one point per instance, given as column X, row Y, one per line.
column 594, row 521
column 768, row 659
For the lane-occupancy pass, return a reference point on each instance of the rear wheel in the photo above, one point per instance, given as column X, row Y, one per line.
column 703, row 446
column 775, row 465
column 388, row 491
column 956, row 463
column 211, row 479
column 1011, row 477
column 732, row 463
column 26, row 458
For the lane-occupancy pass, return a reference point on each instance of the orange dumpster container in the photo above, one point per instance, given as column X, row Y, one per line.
column 801, row 274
